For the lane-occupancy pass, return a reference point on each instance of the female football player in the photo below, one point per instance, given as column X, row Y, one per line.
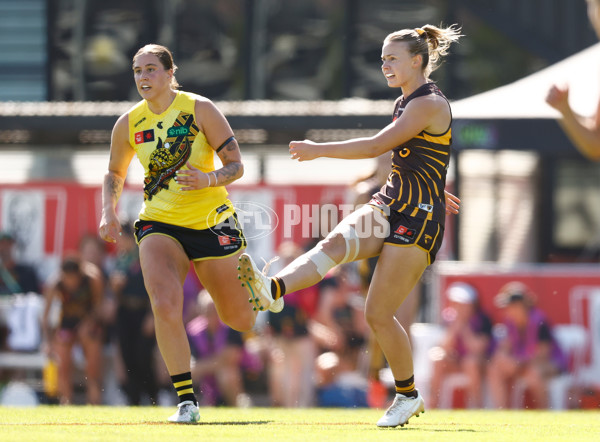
column 186, row 214
column 403, row 223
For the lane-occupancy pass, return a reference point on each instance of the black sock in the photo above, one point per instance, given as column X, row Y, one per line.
column 183, row 386
column 277, row 287
column 407, row 387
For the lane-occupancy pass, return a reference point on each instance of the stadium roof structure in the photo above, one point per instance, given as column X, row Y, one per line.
column 525, row 98
column 514, row 116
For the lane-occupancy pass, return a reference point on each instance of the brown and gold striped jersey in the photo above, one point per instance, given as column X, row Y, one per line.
column 416, row 183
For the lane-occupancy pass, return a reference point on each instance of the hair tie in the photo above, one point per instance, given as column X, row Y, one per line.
column 420, row 31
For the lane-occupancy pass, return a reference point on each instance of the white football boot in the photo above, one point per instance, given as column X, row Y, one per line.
column 258, row 284
column 187, row 413
column 401, row 410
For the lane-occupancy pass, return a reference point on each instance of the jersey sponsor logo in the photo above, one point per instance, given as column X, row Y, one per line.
column 139, row 122
column 225, row 240
column 426, row 207
column 176, row 131
column 144, row 136
column 405, row 234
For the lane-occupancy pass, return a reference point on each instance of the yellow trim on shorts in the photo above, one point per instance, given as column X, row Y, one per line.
column 162, row 234
column 219, row 257
column 411, row 245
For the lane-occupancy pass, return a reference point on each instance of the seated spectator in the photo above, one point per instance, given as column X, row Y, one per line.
column 527, row 349
column 220, row 357
column 15, row 277
column 135, row 323
column 293, row 351
column 79, row 289
column 339, row 385
column 466, row 347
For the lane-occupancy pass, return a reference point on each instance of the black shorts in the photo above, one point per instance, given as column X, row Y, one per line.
column 224, row 239
column 410, row 231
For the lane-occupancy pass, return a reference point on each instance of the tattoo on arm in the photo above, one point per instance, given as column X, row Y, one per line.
column 113, row 186
column 228, row 173
column 232, row 167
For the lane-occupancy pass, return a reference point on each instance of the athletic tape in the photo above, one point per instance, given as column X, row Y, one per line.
column 319, row 258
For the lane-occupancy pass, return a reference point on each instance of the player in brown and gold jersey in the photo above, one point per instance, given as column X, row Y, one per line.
column 403, row 223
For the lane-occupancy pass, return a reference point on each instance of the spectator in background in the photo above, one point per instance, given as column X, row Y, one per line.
column 527, row 349
column 584, row 132
column 93, row 249
column 467, row 346
column 291, row 369
column 341, row 379
column 79, row 288
column 15, row 277
column 220, row 357
column 134, row 322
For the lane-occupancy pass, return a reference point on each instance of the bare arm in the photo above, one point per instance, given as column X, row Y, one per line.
column 218, row 133
column 121, row 154
column 424, row 113
column 97, row 286
column 583, row 132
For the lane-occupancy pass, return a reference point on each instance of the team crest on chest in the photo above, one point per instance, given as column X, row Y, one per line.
column 170, row 155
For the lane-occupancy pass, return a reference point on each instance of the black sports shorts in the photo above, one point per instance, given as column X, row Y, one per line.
column 220, row 241
column 410, row 231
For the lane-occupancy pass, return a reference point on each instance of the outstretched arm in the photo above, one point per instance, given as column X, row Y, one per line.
column 583, row 132
column 418, row 116
column 121, row 154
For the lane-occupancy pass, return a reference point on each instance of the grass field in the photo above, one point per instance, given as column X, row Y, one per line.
column 52, row 423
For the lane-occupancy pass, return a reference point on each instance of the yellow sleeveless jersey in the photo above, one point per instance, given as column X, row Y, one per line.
column 164, row 144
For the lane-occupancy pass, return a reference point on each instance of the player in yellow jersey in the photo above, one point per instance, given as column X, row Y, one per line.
column 403, row 223
column 186, row 214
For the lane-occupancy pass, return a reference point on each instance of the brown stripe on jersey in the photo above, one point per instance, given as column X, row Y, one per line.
column 419, row 168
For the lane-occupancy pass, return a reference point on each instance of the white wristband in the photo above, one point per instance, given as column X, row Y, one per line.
column 215, row 175
column 208, row 177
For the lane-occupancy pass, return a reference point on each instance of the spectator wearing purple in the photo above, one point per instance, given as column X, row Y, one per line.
column 467, row 345
column 527, row 349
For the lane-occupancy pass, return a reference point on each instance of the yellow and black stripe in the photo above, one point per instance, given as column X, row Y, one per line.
column 416, row 184
column 183, row 386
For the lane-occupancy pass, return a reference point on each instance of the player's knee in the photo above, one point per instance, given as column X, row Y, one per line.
column 334, row 246
column 377, row 318
column 167, row 303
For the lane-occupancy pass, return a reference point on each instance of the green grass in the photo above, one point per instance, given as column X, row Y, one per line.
column 82, row 423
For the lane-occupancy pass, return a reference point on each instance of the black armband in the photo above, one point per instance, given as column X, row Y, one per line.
column 225, row 143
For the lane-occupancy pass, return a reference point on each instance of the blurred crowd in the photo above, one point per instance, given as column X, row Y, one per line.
column 92, row 322
column 96, row 319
